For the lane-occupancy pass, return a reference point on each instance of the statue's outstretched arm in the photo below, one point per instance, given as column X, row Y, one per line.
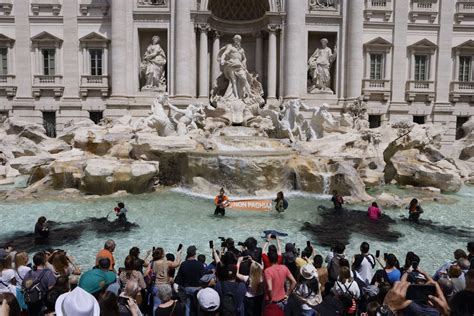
column 172, row 107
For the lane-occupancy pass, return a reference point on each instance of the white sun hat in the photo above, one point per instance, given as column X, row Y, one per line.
column 77, row 303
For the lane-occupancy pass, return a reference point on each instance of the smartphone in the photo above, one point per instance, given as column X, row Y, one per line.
column 308, row 244
column 211, row 244
column 414, row 265
column 377, row 254
column 122, row 301
column 385, row 255
column 420, row 292
column 180, row 247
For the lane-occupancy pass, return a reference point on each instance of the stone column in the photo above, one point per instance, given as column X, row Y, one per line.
column 119, row 48
column 272, row 61
column 203, row 60
column 216, row 46
column 443, row 110
column 23, row 52
column 295, row 49
column 444, row 78
column 69, row 68
column 259, row 54
column 399, row 75
column 184, row 51
column 355, row 58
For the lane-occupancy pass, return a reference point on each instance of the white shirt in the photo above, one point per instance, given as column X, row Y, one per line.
column 365, row 271
column 5, row 286
column 21, row 272
column 351, row 287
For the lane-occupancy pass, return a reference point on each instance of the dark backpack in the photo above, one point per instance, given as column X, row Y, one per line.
column 31, row 288
column 285, row 204
column 228, row 305
column 348, row 300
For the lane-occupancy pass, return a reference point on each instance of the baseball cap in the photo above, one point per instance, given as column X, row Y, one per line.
column 208, row 299
column 95, row 280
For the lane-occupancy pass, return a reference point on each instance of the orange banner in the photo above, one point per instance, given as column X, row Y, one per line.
column 251, row 205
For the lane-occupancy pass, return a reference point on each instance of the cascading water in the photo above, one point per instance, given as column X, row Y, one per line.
column 326, row 182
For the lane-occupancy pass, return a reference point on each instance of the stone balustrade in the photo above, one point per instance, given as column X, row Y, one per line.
column 416, row 88
column 428, row 8
column 376, row 86
column 374, row 8
column 94, row 83
column 461, row 89
column 7, row 84
column 43, row 83
column 464, row 9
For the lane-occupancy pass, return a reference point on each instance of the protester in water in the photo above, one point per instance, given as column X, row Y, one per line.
column 121, row 212
column 374, row 211
column 414, row 211
column 337, row 200
column 281, row 203
column 221, row 201
column 41, row 231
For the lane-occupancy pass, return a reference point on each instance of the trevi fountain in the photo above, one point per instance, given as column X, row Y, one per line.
column 166, row 167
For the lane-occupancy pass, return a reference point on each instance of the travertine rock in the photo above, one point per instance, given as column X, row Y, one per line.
column 106, row 176
column 32, row 131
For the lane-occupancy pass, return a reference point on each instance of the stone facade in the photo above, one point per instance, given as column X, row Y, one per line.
column 408, row 59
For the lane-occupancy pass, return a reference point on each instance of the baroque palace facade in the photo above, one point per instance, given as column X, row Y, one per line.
column 408, row 59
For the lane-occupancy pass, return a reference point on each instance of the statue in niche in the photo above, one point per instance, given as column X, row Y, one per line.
column 321, row 4
column 236, row 90
column 153, row 66
column 319, row 66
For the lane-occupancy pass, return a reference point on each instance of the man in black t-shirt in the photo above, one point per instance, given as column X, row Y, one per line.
column 189, row 274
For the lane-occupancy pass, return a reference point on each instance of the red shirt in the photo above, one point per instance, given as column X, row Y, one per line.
column 277, row 275
column 266, row 261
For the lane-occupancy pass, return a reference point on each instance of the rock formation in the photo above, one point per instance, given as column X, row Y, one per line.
column 196, row 147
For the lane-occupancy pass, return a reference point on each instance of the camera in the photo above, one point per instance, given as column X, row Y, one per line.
column 240, row 243
column 414, row 265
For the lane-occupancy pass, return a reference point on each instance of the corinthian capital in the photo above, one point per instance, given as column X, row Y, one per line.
column 273, row 28
column 203, row 27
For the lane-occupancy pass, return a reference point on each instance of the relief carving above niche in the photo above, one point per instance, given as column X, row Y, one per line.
column 160, row 3
column 322, row 4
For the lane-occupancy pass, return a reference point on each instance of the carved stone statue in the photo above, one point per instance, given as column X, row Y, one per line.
column 358, row 111
column 153, row 66
column 321, row 4
column 319, row 66
column 236, row 90
column 289, row 122
column 186, row 120
column 158, row 119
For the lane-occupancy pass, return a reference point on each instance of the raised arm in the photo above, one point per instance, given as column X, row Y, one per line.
column 177, row 261
column 278, row 246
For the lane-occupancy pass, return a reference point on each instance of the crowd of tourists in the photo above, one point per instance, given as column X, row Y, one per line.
column 249, row 278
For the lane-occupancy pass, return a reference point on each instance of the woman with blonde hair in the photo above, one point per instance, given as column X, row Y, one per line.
column 21, row 268
column 253, row 301
column 62, row 265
